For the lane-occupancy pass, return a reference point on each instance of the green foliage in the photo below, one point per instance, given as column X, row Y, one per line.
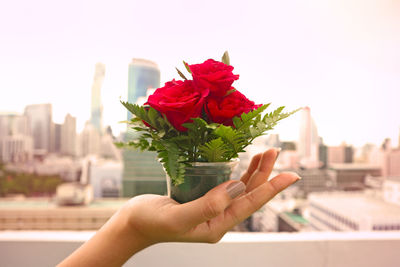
column 181, row 74
column 187, row 67
column 27, row 184
column 202, row 142
column 214, row 150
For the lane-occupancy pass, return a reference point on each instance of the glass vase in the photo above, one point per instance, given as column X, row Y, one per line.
column 200, row 177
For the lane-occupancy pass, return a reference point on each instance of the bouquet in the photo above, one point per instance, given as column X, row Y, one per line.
column 203, row 119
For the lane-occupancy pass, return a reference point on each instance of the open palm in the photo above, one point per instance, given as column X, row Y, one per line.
column 207, row 219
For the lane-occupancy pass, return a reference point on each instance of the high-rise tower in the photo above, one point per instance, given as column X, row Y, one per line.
column 142, row 172
column 40, row 123
column 142, row 75
column 308, row 141
column 96, row 107
column 68, row 136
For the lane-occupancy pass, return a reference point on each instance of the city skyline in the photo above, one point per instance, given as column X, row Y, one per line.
column 395, row 142
column 339, row 58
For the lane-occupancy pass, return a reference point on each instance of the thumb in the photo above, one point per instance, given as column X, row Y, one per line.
column 210, row 205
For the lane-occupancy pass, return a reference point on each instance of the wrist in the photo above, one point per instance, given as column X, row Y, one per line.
column 127, row 230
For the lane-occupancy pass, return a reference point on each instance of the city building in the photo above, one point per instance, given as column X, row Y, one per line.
column 16, row 145
column 143, row 174
column 66, row 167
column 16, row 148
column 350, row 211
column 142, row 75
column 68, row 136
column 42, row 214
column 322, row 153
column 108, row 149
column 269, row 217
column 273, row 141
column 351, row 176
column 291, row 222
column 40, row 126
column 315, row 180
column 142, row 171
column 56, row 140
column 96, row 107
column 89, row 141
column 340, row 154
column 392, row 163
column 308, row 144
column 13, row 124
column 391, row 189
column 104, row 175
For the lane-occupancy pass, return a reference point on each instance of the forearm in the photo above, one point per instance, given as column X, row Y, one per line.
column 112, row 245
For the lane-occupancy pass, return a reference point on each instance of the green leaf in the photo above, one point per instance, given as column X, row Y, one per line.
column 214, row 151
column 225, row 58
column 237, row 122
column 277, row 115
column 230, row 92
column 233, row 138
column 187, row 67
column 124, row 122
column 245, row 119
column 152, row 114
column 172, row 161
column 181, row 74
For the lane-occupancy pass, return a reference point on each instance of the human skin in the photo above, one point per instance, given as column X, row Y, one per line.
column 149, row 219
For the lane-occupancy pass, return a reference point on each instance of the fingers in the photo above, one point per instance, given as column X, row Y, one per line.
column 264, row 169
column 252, row 167
column 212, row 204
column 244, row 206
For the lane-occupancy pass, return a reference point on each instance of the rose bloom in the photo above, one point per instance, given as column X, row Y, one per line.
column 231, row 106
column 214, row 75
column 179, row 101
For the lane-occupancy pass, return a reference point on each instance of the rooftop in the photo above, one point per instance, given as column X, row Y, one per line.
column 353, row 166
column 358, row 205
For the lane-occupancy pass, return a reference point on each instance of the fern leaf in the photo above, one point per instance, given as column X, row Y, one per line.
column 172, row 161
column 214, row 151
column 232, row 137
column 246, row 119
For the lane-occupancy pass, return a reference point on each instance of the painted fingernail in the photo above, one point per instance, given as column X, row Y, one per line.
column 235, row 189
column 278, row 150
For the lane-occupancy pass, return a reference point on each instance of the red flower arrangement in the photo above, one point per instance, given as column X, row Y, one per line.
column 200, row 120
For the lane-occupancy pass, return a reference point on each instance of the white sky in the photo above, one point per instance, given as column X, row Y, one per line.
column 341, row 58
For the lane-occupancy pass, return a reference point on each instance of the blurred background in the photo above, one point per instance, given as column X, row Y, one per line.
column 65, row 66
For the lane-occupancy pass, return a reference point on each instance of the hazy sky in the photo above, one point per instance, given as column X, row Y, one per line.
column 341, row 58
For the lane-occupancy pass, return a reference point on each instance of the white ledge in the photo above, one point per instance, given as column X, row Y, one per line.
column 230, row 237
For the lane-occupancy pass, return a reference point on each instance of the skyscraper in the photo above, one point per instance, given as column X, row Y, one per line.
column 68, row 136
column 308, row 141
column 89, row 141
column 142, row 75
column 96, row 107
column 142, row 173
column 57, row 138
column 15, row 142
column 39, row 121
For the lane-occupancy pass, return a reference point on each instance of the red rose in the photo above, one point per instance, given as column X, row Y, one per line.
column 179, row 101
column 230, row 106
column 214, row 75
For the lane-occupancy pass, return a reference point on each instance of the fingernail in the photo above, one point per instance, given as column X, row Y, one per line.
column 295, row 174
column 235, row 189
column 278, row 150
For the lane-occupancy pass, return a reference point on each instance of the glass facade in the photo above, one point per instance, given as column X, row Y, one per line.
column 142, row 75
column 143, row 174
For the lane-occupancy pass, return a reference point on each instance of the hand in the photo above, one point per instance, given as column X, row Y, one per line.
column 161, row 219
column 148, row 219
